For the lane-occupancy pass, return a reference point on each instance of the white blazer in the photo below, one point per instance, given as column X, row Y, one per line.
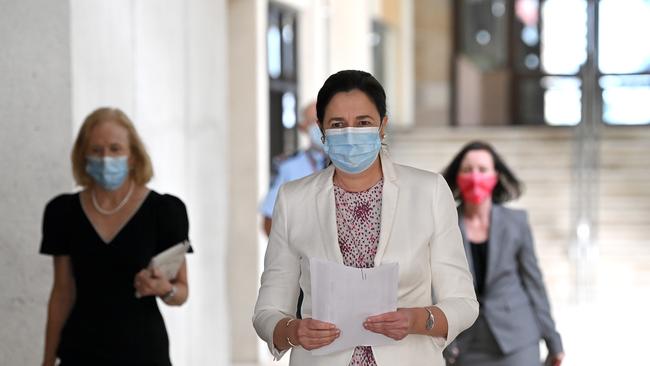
column 419, row 230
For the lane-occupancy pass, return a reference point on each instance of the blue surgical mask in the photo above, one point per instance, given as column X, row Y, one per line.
column 352, row 149
column 109, row 172
column 315, row 136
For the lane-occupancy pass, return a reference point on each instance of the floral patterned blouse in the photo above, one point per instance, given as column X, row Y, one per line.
column 358, row 219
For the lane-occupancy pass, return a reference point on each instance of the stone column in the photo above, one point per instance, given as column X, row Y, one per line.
column 248, row 137
column 35, row 143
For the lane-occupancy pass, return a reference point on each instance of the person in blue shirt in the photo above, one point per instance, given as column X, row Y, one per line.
column 301, row 164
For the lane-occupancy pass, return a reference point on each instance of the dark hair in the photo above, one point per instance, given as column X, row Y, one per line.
column 347, row 80
column 508, row 186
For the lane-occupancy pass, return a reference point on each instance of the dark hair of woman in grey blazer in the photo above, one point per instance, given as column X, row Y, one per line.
column 514, row 310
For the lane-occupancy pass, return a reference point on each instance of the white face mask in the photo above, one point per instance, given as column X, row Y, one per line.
column 352, row 149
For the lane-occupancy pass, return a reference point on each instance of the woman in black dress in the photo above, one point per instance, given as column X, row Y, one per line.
column 102, row 240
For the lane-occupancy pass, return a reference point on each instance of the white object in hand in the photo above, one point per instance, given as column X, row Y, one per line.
column 169, row 261
column 347, row 296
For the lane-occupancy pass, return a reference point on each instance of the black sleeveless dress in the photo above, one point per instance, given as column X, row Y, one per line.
column 108, row 325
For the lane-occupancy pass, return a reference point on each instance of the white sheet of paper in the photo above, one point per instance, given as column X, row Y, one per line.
column 347, row 296
column 170, row 260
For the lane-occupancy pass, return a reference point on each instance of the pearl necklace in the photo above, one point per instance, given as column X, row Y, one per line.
column 117, row 208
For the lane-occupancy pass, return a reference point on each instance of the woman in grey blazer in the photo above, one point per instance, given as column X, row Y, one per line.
column 514, row 310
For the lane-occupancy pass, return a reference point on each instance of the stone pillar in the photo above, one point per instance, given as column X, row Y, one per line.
column 35, row 143
column 248, row 137
column 207, row 164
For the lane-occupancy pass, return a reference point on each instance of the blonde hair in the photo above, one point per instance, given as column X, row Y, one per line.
column 142, row 171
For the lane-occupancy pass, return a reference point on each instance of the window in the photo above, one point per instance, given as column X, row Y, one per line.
column 282, row 70
column 543, row 46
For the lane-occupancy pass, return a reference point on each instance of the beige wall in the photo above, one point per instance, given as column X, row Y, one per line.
column 433, row 47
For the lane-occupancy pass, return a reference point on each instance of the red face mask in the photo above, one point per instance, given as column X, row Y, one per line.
column 475, row 187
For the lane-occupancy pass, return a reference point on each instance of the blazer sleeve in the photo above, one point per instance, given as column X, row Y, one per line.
column 452, row 284
column 279, row 289
column 534, row 285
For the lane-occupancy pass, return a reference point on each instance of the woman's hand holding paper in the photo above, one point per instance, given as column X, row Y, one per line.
column 395, row 324
column 312, row 334
column 150, row 281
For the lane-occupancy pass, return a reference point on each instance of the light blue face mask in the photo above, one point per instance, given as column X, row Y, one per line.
column 109, row 172
column 352, row 149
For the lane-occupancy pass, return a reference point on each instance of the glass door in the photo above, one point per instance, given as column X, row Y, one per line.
column 549, row 49
column 624, row 61
column 553, row 49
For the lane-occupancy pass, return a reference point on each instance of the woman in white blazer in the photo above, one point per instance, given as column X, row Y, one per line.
column 363, row 211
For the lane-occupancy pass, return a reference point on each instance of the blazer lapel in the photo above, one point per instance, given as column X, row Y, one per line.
column 390, row 192
column 466, row 245
column 496, row 236
column 326, row 213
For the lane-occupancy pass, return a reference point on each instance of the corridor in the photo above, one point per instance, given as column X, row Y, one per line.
column 217, row 91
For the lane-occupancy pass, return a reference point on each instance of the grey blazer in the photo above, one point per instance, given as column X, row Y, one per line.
column 514, row 304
